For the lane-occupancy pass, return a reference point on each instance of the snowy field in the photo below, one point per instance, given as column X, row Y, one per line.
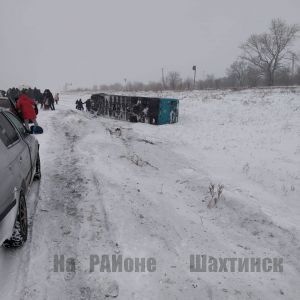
column 138, row 190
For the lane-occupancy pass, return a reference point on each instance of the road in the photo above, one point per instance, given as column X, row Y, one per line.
column 140, row 192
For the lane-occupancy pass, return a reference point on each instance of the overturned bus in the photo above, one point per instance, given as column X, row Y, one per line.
column 155, row 111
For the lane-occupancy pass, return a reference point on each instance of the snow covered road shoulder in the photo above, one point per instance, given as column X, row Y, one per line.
column 116, row 188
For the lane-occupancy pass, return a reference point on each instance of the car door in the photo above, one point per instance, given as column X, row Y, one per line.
column 18, row 148
column 10, row 178
column 26, row 159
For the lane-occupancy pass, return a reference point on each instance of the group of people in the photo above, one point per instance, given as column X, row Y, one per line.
column 48, row 100
column 79, row 104
column 26, row 101
column 45, row 99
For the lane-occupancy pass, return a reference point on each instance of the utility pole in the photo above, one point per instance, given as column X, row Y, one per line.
column 195, row 70
column 163, row 78
column 293, row 64
column 125, row 84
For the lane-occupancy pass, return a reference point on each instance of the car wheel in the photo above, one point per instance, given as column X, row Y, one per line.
column 38, row 174
column 20, row 231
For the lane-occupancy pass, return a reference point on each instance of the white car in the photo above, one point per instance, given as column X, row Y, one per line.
column 19, row 165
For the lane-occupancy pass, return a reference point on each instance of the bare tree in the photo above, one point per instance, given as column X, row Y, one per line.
column 268, row 51
column 284, row 76
column 173, row 80
column 138, row 86
column 209, row 82
column 188, row 84
column 95, row 88
column 297, row 76
column 154, row 86
column 238, row 72
column 253, row 76
column 116, row 87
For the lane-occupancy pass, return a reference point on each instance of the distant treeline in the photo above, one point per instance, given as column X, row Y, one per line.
column 175, row 82
column 266, row 59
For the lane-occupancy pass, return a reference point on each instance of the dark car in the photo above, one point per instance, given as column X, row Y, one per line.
column 19, row 166
column 8, row 104
column 5, row 103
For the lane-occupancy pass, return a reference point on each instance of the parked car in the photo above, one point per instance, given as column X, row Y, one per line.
column 8, row 104
column 4, row 102
column 19, row 166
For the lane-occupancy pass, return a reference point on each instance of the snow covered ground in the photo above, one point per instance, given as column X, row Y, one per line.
column 137, row 190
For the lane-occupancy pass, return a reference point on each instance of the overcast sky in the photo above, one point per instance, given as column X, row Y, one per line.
column 47, row 43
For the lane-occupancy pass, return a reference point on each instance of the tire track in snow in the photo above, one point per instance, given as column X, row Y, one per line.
column 71, row 219
column 60, row 219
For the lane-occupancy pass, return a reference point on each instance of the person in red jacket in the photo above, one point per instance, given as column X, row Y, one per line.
column 26, row 106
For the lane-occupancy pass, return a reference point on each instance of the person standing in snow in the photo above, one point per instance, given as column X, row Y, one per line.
column 80, row 105
column 26, row 107
column 51, row 98
column 56, row 98
column 48, row 100
column 88, row 104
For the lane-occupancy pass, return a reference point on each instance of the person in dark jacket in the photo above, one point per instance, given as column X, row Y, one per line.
column 80, row 105
column 51, row 101
column 48, row 100
column 38, row 96
column 88, row 104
